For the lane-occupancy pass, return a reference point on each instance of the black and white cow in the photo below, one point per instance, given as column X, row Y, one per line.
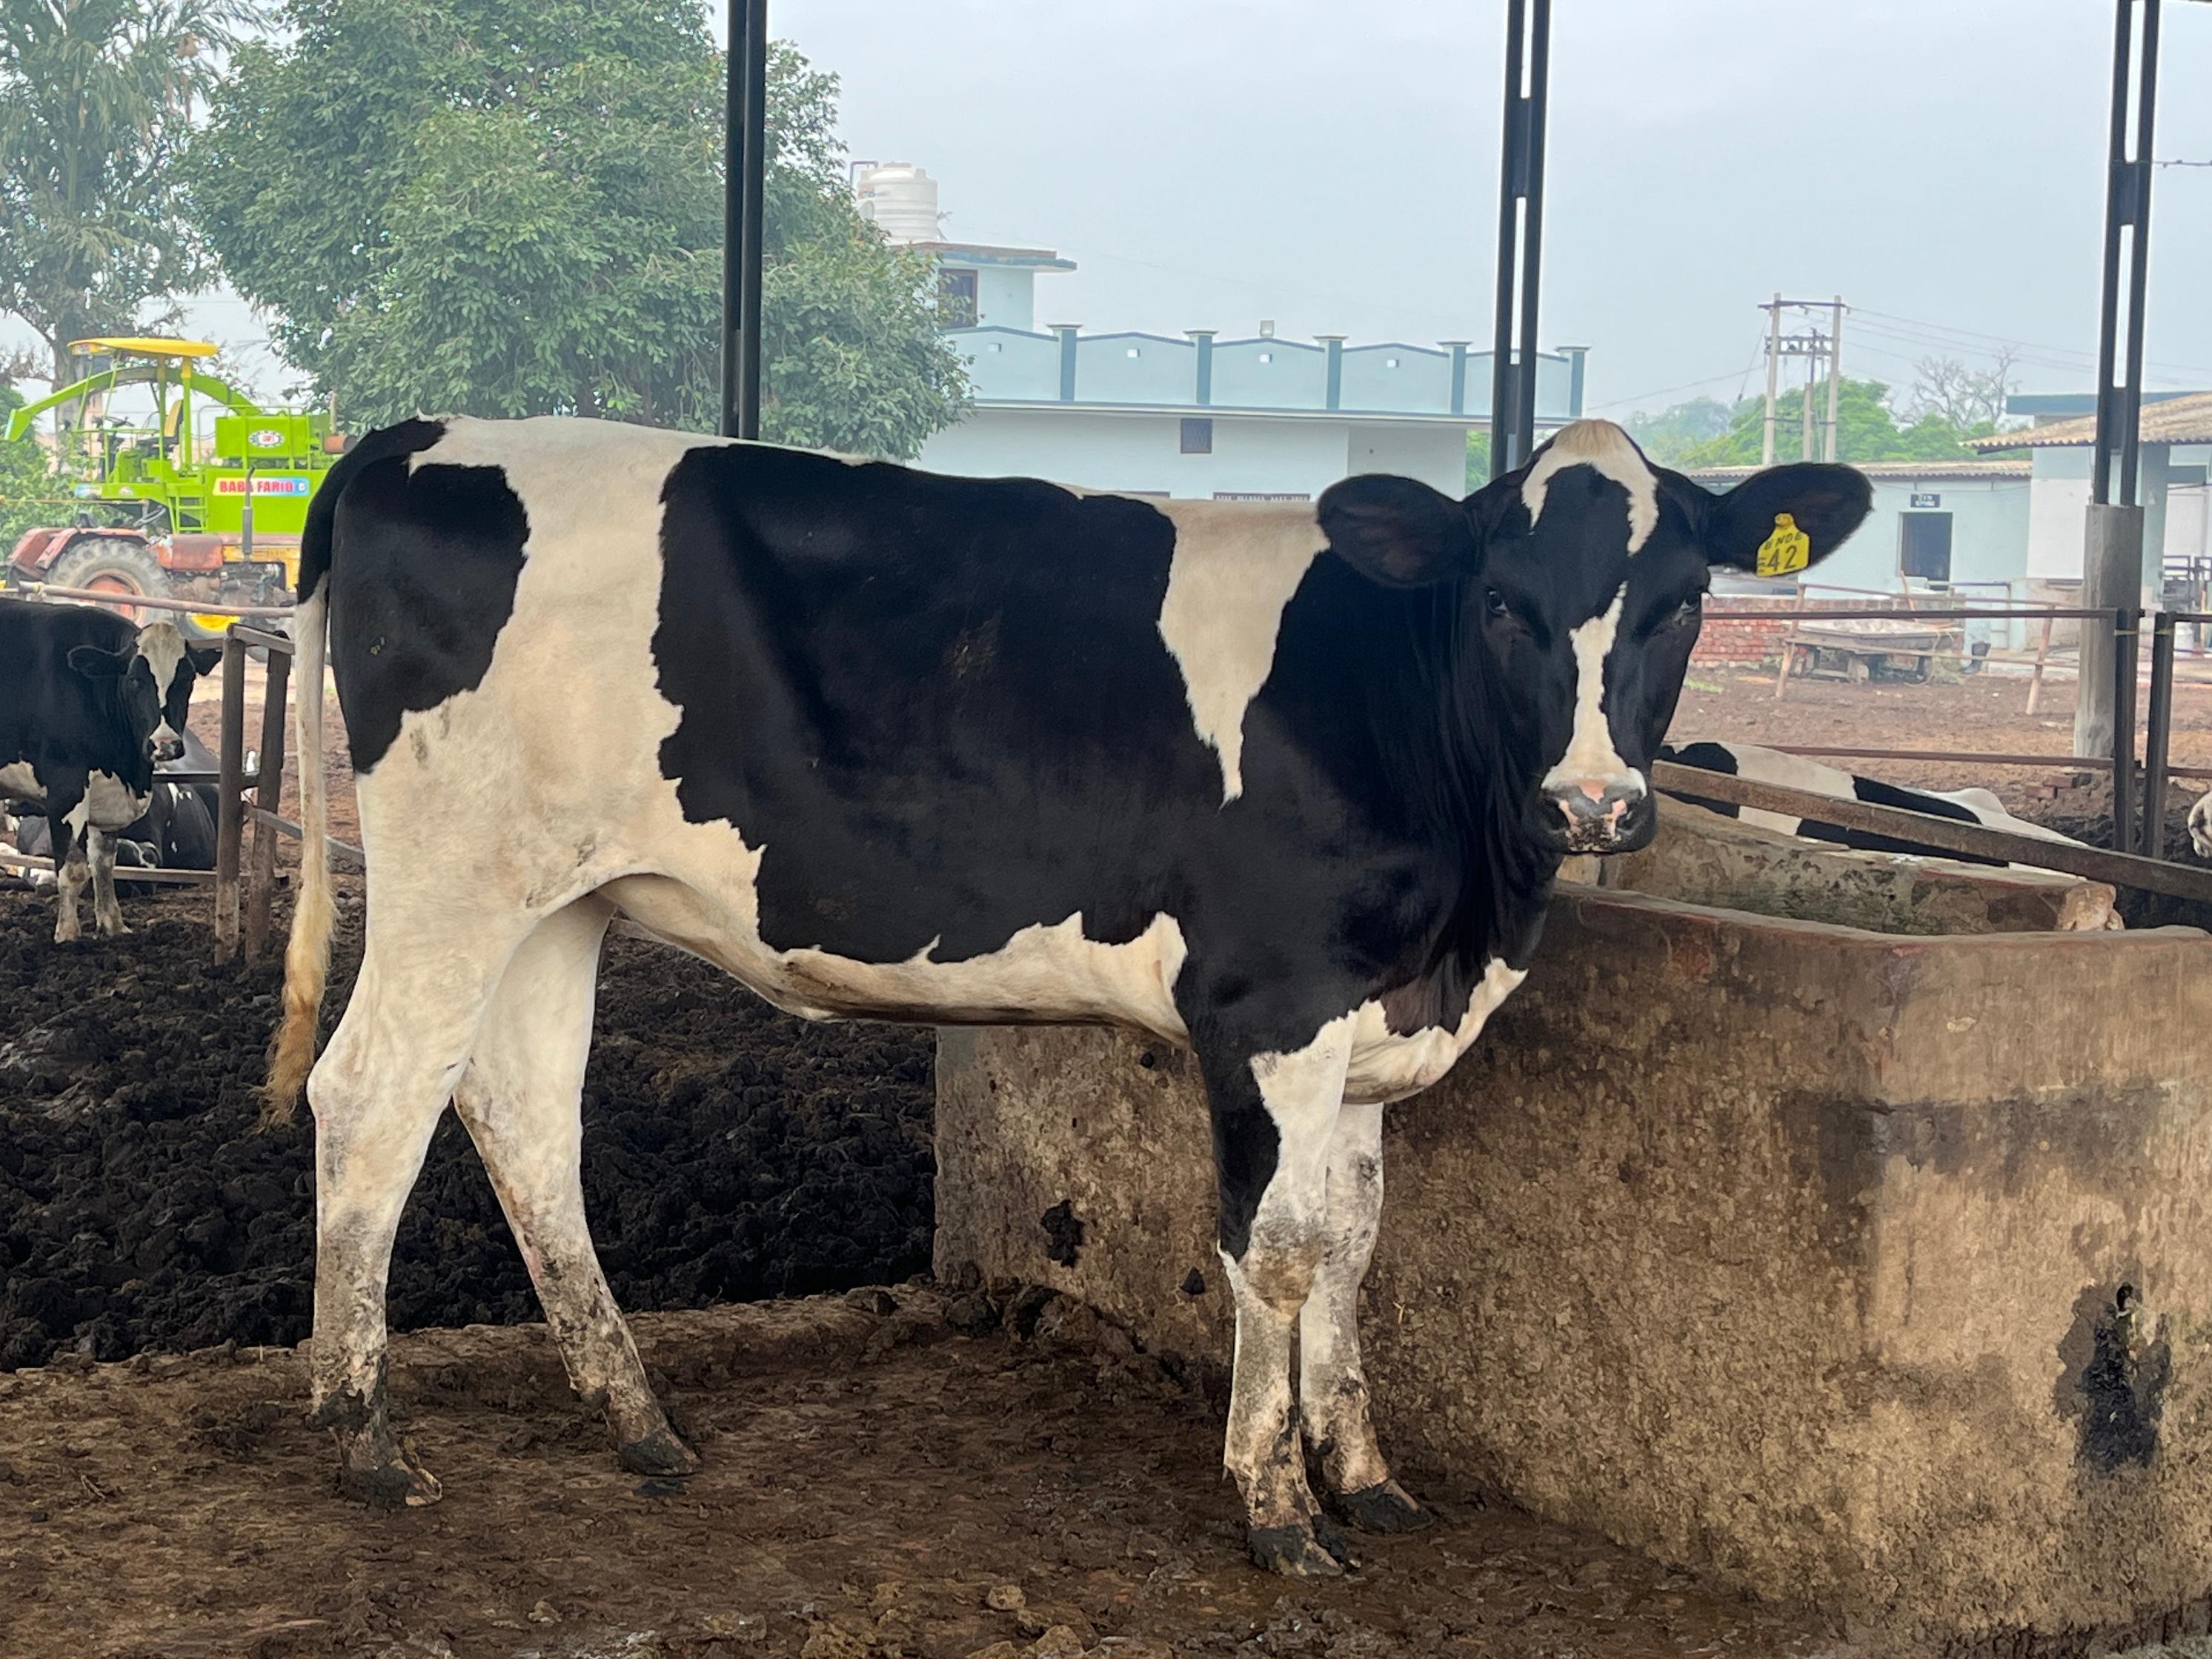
column 1744, row 759
column 88, row 705
column 1287, row 784
column 177, row 831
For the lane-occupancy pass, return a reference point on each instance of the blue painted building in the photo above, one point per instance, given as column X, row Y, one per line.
column 1195, row 414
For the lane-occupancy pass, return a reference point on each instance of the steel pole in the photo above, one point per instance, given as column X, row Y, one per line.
column 1519, row 236
column 1831, row 445
column 2160, row 723
column 2112, row 543
column 743, row 172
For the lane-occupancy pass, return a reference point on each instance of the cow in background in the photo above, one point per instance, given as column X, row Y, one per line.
column 1743, row 760
column 88, row 705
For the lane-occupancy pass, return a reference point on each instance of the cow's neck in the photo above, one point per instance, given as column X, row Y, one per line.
column 1504, row 871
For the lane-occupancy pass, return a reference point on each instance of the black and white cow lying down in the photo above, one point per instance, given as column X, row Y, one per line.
column 1743, row 760
column 88, row 705
column 1287, row 784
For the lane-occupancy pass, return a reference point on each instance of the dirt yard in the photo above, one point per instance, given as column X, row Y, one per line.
column 876, row 1485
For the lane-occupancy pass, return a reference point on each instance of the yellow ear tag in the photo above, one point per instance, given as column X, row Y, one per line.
column 1787, row 550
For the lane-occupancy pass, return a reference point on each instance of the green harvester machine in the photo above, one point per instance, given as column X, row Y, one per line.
column 206, row 511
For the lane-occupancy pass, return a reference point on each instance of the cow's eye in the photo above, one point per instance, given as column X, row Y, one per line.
column 1495, row 601
column 1689, row 610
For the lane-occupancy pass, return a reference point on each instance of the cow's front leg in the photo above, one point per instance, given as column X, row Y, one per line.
column 107, row 914
column 69, row 872
column 1333, row 1394
column 1274, row 1116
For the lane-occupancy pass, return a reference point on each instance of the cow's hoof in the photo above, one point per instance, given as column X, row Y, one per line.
column 661, row 1453
column 1384, row 1507
column 65, row 935
column 1303, row 1552
column 397, row 1481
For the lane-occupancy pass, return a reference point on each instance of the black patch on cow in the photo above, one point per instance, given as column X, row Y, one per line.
column 318, row 537
column 1706, row 757
column 423, row 565
column 1063, row 1233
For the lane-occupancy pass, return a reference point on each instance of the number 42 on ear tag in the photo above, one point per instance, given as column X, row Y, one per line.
column 1788, row 549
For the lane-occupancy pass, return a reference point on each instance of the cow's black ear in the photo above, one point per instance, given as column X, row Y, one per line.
column 95, row 664
column 1787, row 519
column 1398, row 532
column 204, row 658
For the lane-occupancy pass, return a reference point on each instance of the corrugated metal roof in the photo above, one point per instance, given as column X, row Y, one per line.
column 2002, row 467
column 2170, row 421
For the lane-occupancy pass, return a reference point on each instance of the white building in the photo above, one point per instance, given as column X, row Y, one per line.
column 1258, row 417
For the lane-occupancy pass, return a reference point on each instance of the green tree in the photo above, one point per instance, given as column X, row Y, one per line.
column 29, row 494
column 96, row 97
column 1867, row 430
column 1675, row 431
column 498, row 207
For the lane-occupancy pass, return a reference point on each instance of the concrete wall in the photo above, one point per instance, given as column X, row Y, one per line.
column 1252, row 455
column 1787, row 1252
column 2059, row 509
column 1989, row 532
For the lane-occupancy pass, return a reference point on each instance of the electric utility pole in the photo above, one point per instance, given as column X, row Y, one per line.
column 1813, row 345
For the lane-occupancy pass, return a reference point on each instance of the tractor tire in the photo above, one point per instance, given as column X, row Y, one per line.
column 109, row 564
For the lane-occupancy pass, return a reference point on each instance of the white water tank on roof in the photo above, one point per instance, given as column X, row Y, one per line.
column 899, row 198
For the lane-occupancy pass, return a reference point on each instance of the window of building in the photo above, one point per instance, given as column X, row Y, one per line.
column 1132, row 351
column 1924, row 545
column 1198, row 436
column 955, row 298
column 1266, row 356
column 1389, row 362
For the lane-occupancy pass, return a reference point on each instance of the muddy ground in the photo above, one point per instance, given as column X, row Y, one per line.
column 876, row 1485
column 730, row 1152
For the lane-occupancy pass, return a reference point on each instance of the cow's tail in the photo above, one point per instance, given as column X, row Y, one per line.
column 307, row 957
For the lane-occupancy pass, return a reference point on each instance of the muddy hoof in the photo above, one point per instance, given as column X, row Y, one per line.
column 1293, row 1552
column 662, row 1453
column 1384, row 1507
column 397, row 1482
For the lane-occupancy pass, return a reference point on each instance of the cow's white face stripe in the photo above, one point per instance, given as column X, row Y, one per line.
column 163, row 648
column 1590, row 752
column 1236, row 566
column 1609, row 451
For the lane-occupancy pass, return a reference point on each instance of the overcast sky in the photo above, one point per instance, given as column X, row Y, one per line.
column 1332, row 166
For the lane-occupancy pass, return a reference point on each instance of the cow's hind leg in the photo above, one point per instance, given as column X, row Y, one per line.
column 521, row 1098
column 378, row 1092
column 1333, row 1398
column 1274, row 1119
column 107, row 912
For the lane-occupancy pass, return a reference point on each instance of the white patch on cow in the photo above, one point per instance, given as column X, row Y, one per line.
column 108, row 804
column 1387, row 1066
column 2200, row 825
column 1236, row 566
column 1590, row 755
column 1610, row 452
column 163, row 648
column 18, row 781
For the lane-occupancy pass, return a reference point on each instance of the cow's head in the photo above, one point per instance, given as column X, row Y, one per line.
column 153, row 680
column 1581, row 581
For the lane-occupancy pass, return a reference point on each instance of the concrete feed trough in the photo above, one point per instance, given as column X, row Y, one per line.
column 1871, row 1269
